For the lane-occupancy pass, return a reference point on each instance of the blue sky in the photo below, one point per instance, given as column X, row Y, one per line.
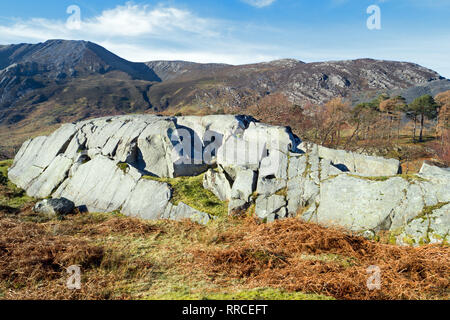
column 241, row 31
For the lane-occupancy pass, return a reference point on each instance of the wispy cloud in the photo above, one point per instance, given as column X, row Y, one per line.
column 141, row 33
column 130, row 20
column 259, row 3
column 137, row 20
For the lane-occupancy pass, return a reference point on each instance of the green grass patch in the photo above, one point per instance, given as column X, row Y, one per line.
column 380, row 178
column 412, row 177
column 190, row 191
column 408, row 177
column 11, row 197
column 253, row 294
column 4, row 165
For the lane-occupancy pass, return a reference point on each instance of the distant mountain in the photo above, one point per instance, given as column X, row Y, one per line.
column 63, row 72
column 169, row 70
column 44, row 84
column 215, row 85
column 63, row 59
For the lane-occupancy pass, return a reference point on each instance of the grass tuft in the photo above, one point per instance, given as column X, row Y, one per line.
column 190, row 191
column 254, row 294
column 12, row 198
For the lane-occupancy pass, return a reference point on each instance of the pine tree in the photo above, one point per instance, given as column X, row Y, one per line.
column 422, row 107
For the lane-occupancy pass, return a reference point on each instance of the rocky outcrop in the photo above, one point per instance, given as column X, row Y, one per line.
column 122, row 164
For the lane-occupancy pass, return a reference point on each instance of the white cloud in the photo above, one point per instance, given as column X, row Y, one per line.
column 143, row 33
column 259, row 3
column 130, row 20
column 137, row 20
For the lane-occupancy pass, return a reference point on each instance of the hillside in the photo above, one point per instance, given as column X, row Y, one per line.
column 63, row 72
column 220, row 85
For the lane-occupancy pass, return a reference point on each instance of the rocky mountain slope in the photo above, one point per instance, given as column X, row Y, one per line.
column 64, row 71
column 45, row 84
column 131, row 164
column 217, row 86
column 169, row 70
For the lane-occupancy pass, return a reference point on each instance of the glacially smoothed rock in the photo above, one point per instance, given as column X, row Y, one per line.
column 104, row 165
column 359, row 204
column 218, row 184
column 432, row 226
column 356, row 163
column 271, row 207
column 36, row 155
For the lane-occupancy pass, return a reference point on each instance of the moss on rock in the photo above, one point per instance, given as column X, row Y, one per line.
column 123, row 166
column 11, row 197
column 190, row 191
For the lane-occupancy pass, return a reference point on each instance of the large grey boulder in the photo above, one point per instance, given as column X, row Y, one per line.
column 50, row 178
column 155, row 146
column 183, row 211
column 37, row 154
column 434, row 173
column 218, row 126
column 248, row 148
column 272, row 137
column 237, row 152
column 99, row 164
column 148, row 200
column 54, row 207
column 100, row 185
column 268, row 186
column 303, row 182
column 243, row 187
